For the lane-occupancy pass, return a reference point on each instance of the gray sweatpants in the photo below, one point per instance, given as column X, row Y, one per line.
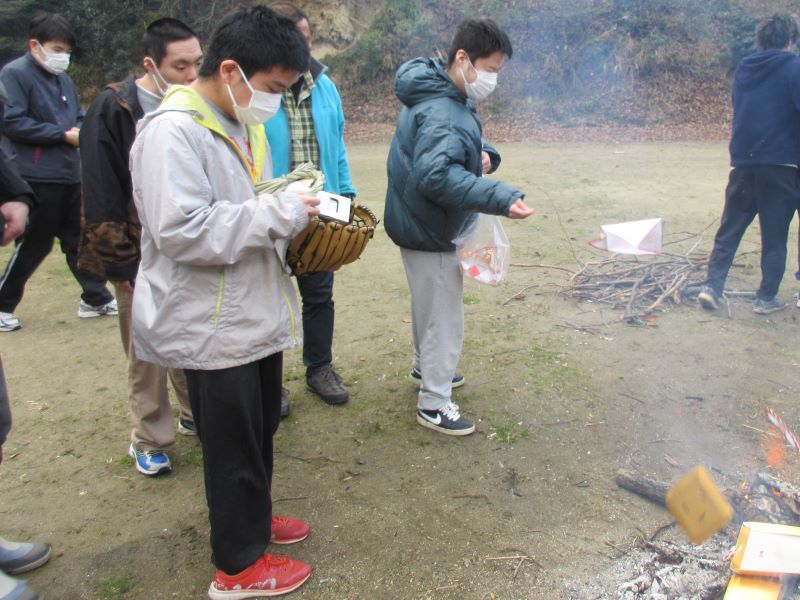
column 437, row 311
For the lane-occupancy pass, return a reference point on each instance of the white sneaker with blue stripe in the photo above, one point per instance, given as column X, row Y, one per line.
column 150, row 462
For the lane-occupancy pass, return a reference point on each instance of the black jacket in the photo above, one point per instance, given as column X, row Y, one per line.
column 12, row 187
column 41, row 108
column 766, row 110
column 434, row 165
column 110, row 232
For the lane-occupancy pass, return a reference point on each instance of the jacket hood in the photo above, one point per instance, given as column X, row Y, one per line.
column 755, row 68
column 423, row 79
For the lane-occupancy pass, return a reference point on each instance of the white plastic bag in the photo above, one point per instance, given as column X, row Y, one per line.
column 484, row 250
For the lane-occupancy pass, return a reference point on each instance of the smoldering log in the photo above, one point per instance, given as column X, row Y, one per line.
column 653, row 490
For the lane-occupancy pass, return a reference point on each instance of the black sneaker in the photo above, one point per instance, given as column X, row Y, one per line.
column 416, row 377
column 708, row 298
column 285, row 408
column 21, row 557
column 326, row 383
column 446, row 420
column 766, row 307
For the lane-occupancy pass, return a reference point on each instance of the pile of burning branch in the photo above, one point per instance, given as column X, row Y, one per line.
column 657, row 569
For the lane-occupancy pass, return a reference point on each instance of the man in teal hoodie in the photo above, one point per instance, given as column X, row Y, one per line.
column 309, row 127
column 435, row 188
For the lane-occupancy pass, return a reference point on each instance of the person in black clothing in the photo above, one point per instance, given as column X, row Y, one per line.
column 40, row 126
column 16, row 200
column 765, row 154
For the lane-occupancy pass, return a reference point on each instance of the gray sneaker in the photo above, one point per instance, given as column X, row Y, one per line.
column 709, row 298
column 21, row 557
column 327, row 384
column 766, row 307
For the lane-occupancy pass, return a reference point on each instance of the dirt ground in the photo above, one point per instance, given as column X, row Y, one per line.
column 563, row 393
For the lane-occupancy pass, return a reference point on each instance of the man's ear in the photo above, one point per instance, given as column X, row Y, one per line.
column 226, row 70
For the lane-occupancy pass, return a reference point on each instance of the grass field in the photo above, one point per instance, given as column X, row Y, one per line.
column 398, row 511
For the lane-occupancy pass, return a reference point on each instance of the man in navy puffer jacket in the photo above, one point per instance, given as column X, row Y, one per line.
column 765, row 154
column 435, row 187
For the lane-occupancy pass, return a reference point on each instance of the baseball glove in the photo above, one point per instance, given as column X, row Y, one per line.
column 323, row 245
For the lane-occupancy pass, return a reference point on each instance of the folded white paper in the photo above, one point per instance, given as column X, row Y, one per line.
column 334, row 207
column 632, row 237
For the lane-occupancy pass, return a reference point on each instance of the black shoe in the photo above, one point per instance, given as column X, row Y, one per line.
column 416, row 377
column 327, row 384
column 446, row 420
column 766, row 307
column 285, row 408
column 709, row 298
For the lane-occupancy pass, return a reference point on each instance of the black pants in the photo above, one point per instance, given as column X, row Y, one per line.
column 237, row 411
column 772, row 193
column 58, row 216
column 316, row 290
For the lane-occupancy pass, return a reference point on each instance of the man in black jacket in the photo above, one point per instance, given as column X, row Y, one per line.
column 16, row 200
column 41, row 134
column 111, row 232
column 765, row 154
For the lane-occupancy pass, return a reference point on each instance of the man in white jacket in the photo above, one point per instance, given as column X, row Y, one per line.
column 213, row 296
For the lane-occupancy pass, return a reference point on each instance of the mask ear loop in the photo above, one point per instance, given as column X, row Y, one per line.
column 160, row 76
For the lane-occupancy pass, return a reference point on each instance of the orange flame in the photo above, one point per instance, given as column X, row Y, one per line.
column 776, row 453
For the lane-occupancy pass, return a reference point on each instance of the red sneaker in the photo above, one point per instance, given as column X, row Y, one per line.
column 270, row 575
column 286, row 530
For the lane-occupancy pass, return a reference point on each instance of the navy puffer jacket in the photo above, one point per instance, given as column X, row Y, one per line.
column 434, row 165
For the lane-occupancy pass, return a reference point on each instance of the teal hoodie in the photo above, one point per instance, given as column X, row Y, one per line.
column 434, row 166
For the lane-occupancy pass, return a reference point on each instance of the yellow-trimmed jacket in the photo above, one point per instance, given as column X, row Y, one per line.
column 212, row 290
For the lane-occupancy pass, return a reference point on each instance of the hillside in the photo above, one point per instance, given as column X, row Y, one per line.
column 585, row 66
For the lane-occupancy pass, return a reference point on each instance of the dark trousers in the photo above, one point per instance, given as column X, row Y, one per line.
column 316, row 290
column 772, row 193
column 58, row 216
column 237, row 411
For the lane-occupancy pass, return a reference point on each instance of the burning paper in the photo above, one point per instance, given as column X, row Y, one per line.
column 632, row 237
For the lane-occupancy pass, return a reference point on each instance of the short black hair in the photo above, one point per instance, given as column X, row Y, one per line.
column 479, row 38
column 47, row 27
column 776, row 32
column 162, row 32
column 258, row 39
column 289, row 10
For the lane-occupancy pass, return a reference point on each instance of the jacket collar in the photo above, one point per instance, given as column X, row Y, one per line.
column 186, row 99
column 127, row 96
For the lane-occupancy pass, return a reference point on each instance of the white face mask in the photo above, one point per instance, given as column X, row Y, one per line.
column 155, row 76
column 54, row 62
column 484, row 85
column 262, row 106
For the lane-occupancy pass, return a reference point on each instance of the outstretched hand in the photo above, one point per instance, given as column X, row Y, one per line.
column 520, row 210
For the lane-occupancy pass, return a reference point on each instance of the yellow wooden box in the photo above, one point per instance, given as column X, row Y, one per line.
column 767, row 548
column 698, row 506
column 749, row 587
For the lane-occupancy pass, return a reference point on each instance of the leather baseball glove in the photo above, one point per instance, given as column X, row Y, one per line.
column 323, row 245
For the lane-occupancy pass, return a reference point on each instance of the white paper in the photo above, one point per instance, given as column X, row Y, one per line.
column 334, row 207
column 632, row 237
